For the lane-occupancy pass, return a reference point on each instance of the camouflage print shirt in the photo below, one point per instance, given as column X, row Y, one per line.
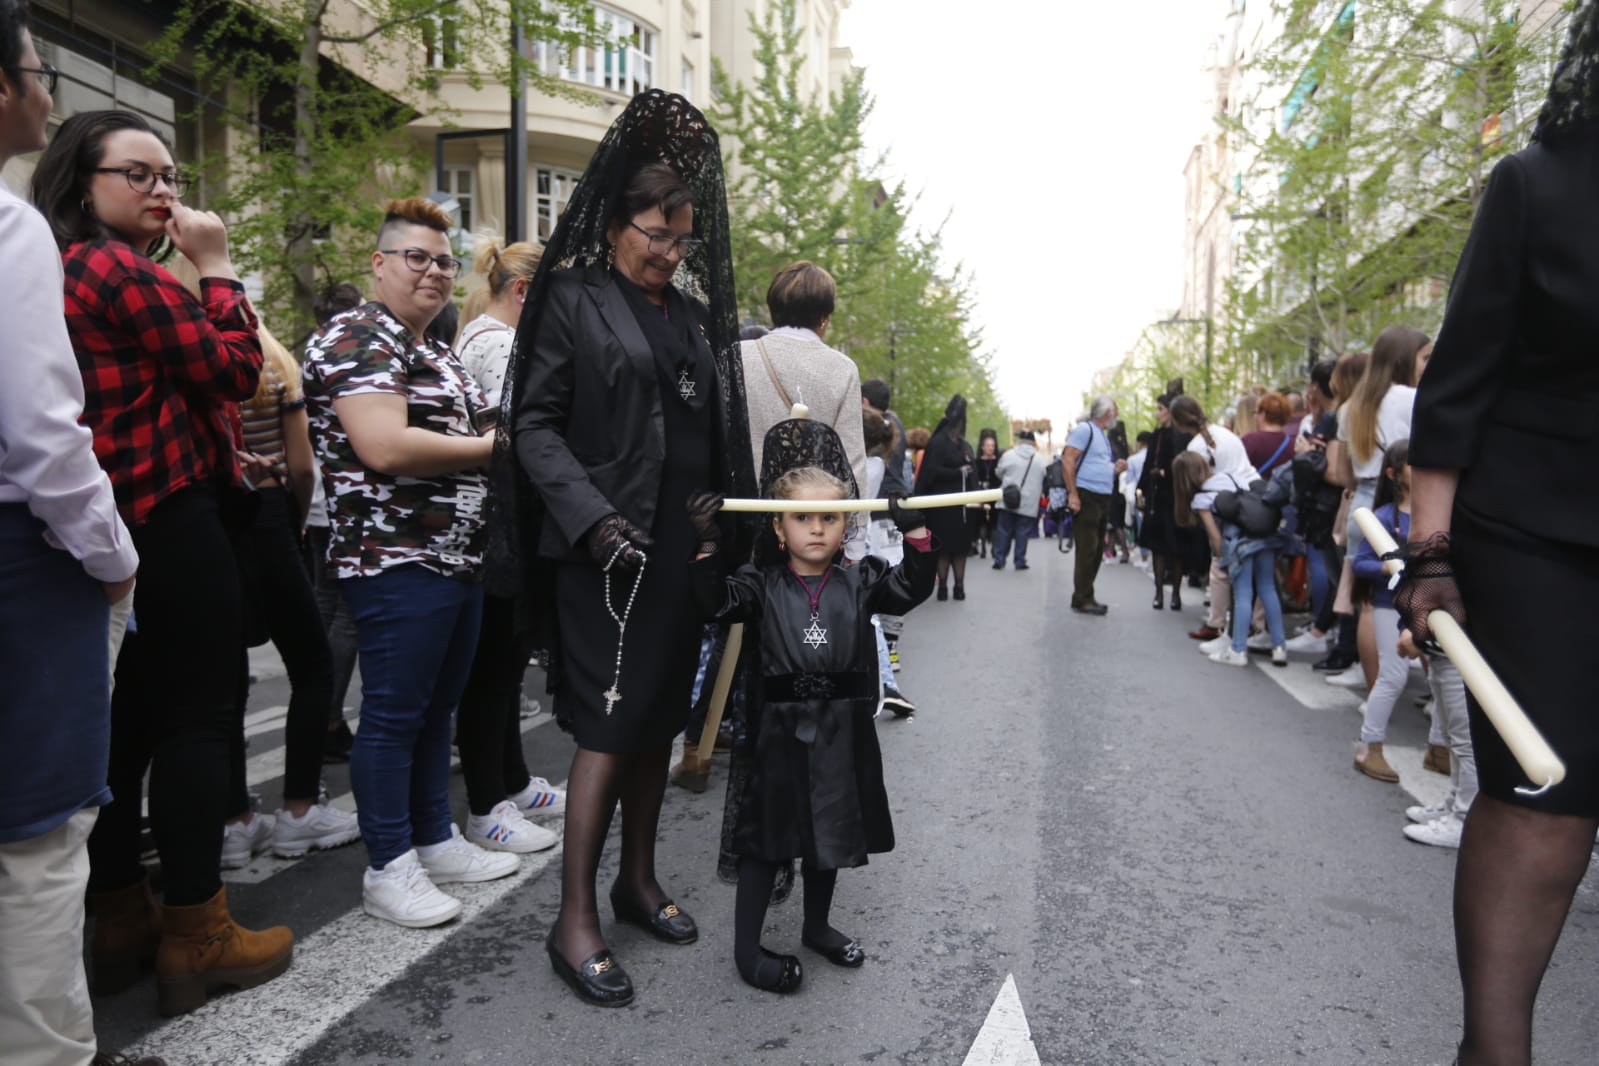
column 378, row 520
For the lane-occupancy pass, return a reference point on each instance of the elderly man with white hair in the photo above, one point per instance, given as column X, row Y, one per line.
column 1091, row 469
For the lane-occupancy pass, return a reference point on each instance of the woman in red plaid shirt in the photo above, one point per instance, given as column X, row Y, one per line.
column 162, row 372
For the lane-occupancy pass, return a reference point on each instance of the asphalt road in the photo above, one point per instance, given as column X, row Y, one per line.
column 1173, row 860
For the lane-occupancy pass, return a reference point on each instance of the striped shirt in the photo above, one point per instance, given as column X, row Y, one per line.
column 262, row 417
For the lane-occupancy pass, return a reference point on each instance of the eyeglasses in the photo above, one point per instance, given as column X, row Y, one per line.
column 48, row 76
column 142, row 179
column 419, row 261
column 661, row 243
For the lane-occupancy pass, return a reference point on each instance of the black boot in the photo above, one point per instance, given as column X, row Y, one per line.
column 1160, row 599
column 1177, row 597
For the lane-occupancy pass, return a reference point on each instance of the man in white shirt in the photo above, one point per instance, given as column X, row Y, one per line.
column 66, row 560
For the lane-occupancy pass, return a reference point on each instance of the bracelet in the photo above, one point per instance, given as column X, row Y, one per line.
column 708, row 547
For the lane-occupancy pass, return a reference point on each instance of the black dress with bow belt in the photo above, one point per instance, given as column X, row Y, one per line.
column 814, row 789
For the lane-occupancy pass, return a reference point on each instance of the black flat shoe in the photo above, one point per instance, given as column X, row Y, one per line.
column 599, row 980
column 943, row 593
column 960, row 590
column 849, row 956
column 668, row 923
column 789, row 979
column 1334, row 662
column 1160, row 602
column 1176, row 601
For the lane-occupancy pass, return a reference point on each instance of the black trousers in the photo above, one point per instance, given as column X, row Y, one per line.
column 176, row 706
column 336, row 620
column 279, row 602
column 488, row 725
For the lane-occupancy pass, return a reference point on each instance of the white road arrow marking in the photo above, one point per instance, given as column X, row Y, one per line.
column 1005, row 1039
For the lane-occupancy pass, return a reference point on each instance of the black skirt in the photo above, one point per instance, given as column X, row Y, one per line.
column 1524, row 597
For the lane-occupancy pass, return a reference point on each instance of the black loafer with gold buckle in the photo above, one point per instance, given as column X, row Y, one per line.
column 598, row 979
column 668, row 923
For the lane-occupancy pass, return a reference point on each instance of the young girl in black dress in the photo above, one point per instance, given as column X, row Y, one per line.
column 814, row 784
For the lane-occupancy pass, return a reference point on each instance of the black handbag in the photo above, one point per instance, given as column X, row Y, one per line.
column 1257, row 510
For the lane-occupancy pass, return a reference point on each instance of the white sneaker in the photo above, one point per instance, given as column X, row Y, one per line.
column 1354, row 677
column 322, row 827
column 1422, row 815
column 504, row 829
column 242, row 840
column 1279, row 655
column 1216, row 644
column 402, row 893
column 459, row 860
column 540, row 798
column 1258, row 642
column 1308, row 642
column 1440, row 833
column 1228, row 657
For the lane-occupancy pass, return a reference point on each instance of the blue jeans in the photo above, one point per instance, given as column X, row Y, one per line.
column 1256, row 574
column 417, row 631
column 1012, row 527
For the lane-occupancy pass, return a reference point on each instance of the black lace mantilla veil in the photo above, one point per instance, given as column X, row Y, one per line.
column 656, row 127
column 1573, row 101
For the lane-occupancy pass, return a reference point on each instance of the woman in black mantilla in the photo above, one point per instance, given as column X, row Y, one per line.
column 625, row 398
column 808, row 780
column 1505, row 536
column 1172, row 548
column 947, row 467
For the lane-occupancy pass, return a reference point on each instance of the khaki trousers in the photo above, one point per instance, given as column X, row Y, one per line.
column 45, row 1015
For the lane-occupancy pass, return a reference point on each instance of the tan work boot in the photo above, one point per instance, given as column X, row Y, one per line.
column 692, row 773
column 1369, row 761
column 127, row 928
column 202, row 949
column 1436, row 759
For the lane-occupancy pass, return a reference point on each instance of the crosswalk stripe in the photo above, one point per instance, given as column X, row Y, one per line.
column 336, row 970
column 1313, row 692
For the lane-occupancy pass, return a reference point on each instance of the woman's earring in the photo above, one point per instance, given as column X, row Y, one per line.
column 610, row 257
column 88, row 208
column 782, row 545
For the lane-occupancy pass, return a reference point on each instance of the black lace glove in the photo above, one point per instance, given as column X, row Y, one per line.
column 703, row 508
column 614, row 542
column 905, row 519
column 1428, row 585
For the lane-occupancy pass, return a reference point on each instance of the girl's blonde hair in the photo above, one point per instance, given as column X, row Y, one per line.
column 1246, row 419
column 785, row 487
column 1189, row 471
column 499, row 266
column 275, row 354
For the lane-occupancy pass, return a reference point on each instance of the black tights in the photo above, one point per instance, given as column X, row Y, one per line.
column 755, row 880
column 945, row 563
column 1167, row 570
column 598, row 782
column 1517, row 872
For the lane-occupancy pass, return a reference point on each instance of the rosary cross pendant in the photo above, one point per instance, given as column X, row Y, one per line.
column 686, row 386
column 612, row 698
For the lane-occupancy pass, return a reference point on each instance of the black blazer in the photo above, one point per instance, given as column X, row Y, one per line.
column 589, row 429
column 1511, row 396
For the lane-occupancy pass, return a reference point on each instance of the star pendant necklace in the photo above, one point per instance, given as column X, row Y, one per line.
column 685, row 385
column 815, row 635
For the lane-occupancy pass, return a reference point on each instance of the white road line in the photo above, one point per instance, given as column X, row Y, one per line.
column 1005, row 1038
column 1428, row 788
column 336, row 970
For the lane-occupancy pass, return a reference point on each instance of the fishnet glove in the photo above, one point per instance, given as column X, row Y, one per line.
column 703, row 508
column 1428, row 585
column 616, row 543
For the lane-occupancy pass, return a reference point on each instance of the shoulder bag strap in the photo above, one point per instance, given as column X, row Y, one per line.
column 1262, row 469
column 1079, row 467
column 760, row 344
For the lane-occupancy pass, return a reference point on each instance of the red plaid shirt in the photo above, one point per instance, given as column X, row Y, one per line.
column 161, row 371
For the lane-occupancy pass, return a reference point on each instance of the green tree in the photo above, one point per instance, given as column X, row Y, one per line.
column 1370, row 138
column 321, row 144
column 804, row 188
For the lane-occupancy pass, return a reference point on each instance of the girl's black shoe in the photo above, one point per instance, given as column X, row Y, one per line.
column 788, row 971
column 849, row 955
column 1335, row 661
column 1160, row 600
column 960, row 591
column 668, row 923
column 1176, row 598
column 943, row 593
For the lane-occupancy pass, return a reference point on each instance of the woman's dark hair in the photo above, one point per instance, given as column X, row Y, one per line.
column 13, row 24
column 1188, row 416
column 652, row 185
column 802, row 294
column 877, row 393
column 61, row 180
column 1321, row 376
column 1164, row 400
column 1393, row 362
column 335, row 298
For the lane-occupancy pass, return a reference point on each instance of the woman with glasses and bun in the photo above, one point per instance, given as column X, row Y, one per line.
column 162, row 374
column 396, row 421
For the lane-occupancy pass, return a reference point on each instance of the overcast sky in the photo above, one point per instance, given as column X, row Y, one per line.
column 1056, row 133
